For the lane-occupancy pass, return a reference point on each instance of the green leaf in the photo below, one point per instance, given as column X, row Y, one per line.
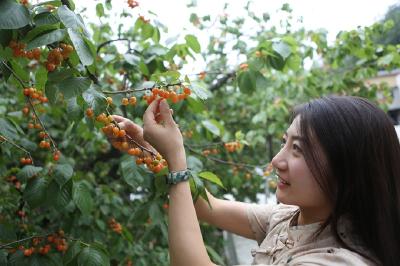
column 22, row 73
column 13, row 15
column 7, row 130
column 99, row 10
column 45, row 18
column 200, row 91
column 41, row 78
column 82, row 197
column 71, row 20
column 247, row 81
column 7, row 232
column 212, row 178
column 155, row 213
column 194, row 164
column 63, row 173
column 156, row 35
column 132, row 59
column 276, row 61
column 35, row 192
column 130, row 172
column 93, row 256
column 74, row 86
column 47, row 38
column 81, row 47
column 72, row 252
column 40, row 30
column 210, row 126
column 75, row 112
column 193, row 43
column 282, row 49
column 28, row 171
column 95, row 99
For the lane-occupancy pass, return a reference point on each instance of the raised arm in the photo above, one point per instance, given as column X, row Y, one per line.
column 186, row 245
column 227, row 215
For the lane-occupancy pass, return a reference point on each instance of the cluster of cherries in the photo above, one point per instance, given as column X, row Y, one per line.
column 173, row 95
column 207, row 152
column 19, row 50
column 132, row 3
column 43, row 245
column 115, row 226
column 232, row 146
column 122, row 142
column 57, row 55
column 37, row 97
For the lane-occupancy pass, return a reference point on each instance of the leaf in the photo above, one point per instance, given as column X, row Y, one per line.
column 74, row 86
column 95, row 99
column 82, row 197
column 7, row 130
column 7, row 232
column 211, row 177
column 130, row 172
column 81, row 47
column 13, row 15
column 35, row 192
column 28, row 171
column 40, row 30
column 194, row 164
column 99, row 10
column 276, row 61
column 132, row 59
column 41, row 78
column 47, row 38
column 211, row 127
column 93, row 256
column 63, row 173
column 22, row 73
column 282, row 49
column 247, row 82
column 45, row 18
column 193, row 43
column 71, row 20
column 155, row 213
column 72, row 252
column 200, row 91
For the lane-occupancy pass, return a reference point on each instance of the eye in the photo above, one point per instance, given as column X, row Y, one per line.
column 297, row 148
column 283, row 142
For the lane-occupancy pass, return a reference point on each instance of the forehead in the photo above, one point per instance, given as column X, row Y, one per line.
column 294, row 128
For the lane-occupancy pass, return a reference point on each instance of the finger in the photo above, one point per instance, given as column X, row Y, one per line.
column 172, row 111
column 131, row 128
column 165, row 112
column 119, row 118
column 150, row 113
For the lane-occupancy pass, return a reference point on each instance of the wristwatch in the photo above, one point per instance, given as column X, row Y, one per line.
column 178, row 176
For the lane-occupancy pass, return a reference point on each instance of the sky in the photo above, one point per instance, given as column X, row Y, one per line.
column 333, row 16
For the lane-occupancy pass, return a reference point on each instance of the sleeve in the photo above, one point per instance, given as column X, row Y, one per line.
column 333, row 257
column 258, row 216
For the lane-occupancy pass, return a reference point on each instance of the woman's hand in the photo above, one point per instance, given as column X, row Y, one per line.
column 132, row 130
column 161, row 131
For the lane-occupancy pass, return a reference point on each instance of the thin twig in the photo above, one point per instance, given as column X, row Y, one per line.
column 144, row 89
column 15, row 75
column 224, row 162
column 23, row 240
column 2, row 137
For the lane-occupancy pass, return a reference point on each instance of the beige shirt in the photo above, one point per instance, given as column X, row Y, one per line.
column 280, row 243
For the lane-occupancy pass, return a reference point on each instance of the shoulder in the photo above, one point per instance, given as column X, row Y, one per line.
column 331, row 256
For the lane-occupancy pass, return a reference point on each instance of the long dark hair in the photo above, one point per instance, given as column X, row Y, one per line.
column 361, row 176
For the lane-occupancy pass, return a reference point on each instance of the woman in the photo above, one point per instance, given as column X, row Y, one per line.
column 339, row 189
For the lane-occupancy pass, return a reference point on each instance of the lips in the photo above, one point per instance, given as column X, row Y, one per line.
column 282, row 180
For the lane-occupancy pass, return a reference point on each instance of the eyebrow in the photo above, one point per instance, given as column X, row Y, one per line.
column 295, row 137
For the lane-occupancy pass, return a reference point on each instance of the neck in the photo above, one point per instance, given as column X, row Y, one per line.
column 310, row 216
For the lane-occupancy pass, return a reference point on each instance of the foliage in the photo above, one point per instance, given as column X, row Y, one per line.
column 69, row 198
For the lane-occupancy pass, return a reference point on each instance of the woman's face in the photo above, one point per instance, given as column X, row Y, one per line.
column 296, row 184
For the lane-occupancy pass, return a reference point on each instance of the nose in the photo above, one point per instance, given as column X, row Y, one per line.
column 279, row 161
